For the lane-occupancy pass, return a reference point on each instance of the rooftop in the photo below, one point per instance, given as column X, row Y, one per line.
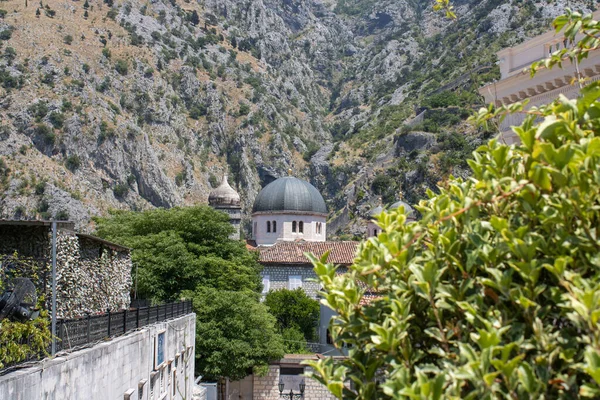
column 341, row 253
column 290, row 194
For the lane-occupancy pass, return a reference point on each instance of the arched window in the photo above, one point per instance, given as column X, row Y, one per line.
column 268, row 226
column 319, row 227
column 293, row 226
column 301, row 227
column 274, row 226
column 254, row 230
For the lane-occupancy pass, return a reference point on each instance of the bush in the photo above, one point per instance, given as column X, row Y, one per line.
column 46, row 133
column 5, row 34
column 57, row 119
column 120, row 190
column 121, row 66
column 294, row 309
column 68, row 39
column 494, row 293
column 73, row 162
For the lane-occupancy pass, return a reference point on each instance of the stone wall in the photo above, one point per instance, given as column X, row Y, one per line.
column 123, row 368
column 279, row 277
column 27, row 241
column 266, row 387
column 91, row 277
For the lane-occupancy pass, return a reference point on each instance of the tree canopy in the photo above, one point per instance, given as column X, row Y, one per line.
column 297, row 317
column 234, row 333
column 181, row 248
column 495, row 293
column 187, row 252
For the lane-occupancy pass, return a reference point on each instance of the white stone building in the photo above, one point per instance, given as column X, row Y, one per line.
column 288, row 209
column 516, row 84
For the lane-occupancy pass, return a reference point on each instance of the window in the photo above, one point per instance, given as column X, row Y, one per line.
column 274, row 226
column 294, row 282
column 301, row 227
column 318, row 228
column 329, row 338
column 266, row 281
column 291, row 370
column 254, row 230
column 293, row 226
column 268, row 226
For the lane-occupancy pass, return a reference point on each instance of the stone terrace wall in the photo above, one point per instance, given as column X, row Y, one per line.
column 266, row 387
column 110, row 370
column 91, row 277
column 279, row 277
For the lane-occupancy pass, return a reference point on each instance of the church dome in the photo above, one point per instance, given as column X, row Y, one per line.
column 290, row 194
column 408, row 210
column 376, row 211
column 224, row 195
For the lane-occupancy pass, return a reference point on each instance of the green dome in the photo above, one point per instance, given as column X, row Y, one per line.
column 289, row 194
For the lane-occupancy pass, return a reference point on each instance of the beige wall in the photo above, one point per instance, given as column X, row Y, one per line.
column 517, row 85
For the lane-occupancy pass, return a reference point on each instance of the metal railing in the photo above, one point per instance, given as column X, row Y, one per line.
column 81, row 331
column 75, row 333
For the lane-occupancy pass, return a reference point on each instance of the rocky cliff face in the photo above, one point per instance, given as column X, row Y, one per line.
column 130, row 105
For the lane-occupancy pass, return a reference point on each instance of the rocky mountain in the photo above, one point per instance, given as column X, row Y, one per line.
column 136, row 104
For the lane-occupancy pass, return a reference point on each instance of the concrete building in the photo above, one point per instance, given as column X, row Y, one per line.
column 516, row 85
column 224, row 198
column 153, row 363
column 288, row 209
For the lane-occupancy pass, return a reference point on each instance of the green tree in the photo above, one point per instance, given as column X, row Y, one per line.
column 234, row 334
column 495, row 293
column 180, row 248
column 194, row 18
column 294, row 309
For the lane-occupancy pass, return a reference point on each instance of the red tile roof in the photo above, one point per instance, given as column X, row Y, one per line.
column 340, row 253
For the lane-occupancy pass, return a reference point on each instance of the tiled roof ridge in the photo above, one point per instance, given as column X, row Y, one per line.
column 341, row 252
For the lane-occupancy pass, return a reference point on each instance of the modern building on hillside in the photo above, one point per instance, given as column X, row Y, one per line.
column 373, row 229
column 224, row 198
column 516, row 84
column 288, row 209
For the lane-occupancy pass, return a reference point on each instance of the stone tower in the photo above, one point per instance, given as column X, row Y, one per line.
column 227, row 200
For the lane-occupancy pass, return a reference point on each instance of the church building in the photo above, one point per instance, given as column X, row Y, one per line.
column 288, row 209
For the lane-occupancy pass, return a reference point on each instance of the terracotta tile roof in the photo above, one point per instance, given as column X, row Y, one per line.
column 341, row 253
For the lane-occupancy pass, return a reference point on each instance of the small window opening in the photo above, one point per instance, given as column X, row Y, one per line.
column 274, row 226
column 301, row 227
column 293, row 226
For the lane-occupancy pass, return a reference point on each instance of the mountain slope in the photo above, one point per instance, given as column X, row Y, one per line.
column 145, row 104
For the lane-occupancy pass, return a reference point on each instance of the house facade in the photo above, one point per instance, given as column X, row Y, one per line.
column 516, row 84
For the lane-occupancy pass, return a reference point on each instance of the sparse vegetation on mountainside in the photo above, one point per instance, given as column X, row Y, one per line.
column 173, row 92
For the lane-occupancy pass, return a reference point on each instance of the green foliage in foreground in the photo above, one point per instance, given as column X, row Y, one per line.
column 181, row 248
column 20, row 341
column 297, row 316
column 234, row 334
column 495, row 293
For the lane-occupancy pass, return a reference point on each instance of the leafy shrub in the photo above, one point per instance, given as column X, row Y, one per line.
column 121, row 66
column 57, row 119
column 494, row 292
column 120, row 190
column 46, row 133
column 5, row 34
column 68, row 39
column 73, row 162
